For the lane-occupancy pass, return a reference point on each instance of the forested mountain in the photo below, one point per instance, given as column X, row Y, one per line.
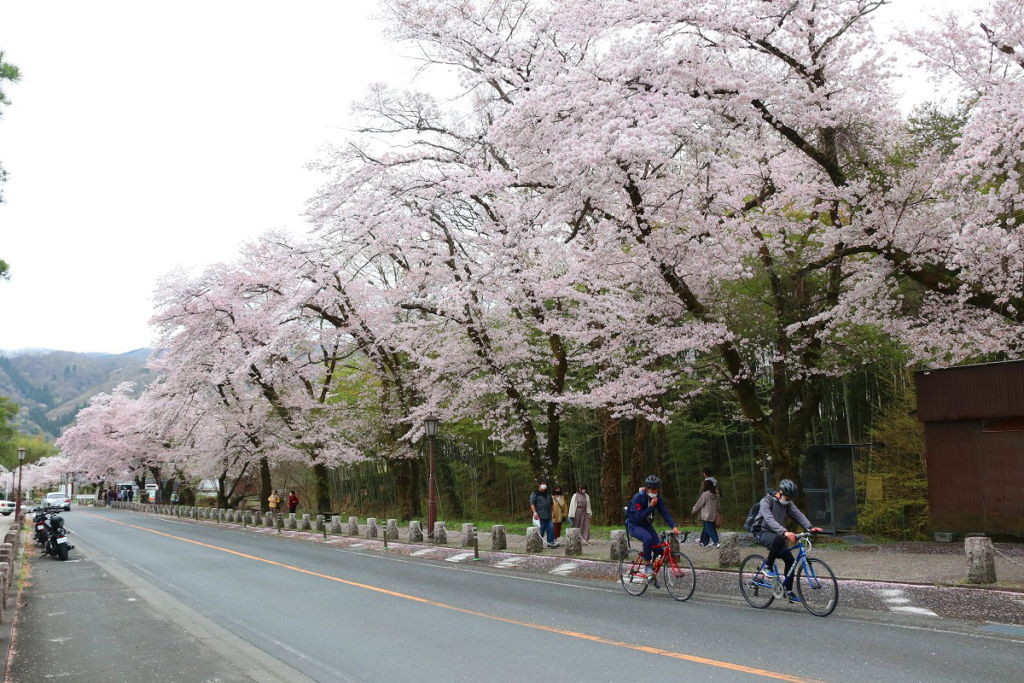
column 51, row 386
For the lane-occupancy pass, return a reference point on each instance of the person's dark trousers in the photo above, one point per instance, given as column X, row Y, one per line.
column 291, row 509
column 710, row 533
column 547, row 530
column 777, row 549
column 648, row 537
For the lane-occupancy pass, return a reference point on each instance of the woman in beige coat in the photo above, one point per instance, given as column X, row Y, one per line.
column 710, row 509
column 580, row 511
column 559, row 510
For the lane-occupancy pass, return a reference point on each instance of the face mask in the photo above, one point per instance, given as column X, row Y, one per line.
column 557, row 492
column 543, row 487
column 652, row 495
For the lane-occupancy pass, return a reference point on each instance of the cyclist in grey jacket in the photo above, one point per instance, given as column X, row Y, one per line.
column 770, row 533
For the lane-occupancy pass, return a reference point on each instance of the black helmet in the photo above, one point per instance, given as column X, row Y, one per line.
column 652, row 482
column 787, row 487
column 56, row 521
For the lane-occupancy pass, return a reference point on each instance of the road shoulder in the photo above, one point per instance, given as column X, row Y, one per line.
column 94, row 618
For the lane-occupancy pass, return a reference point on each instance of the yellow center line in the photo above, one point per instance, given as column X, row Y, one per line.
column 540, row 627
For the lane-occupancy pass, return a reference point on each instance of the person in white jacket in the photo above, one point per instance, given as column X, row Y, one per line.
column 580, row 511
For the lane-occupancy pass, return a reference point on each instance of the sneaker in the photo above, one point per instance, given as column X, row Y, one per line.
column 792, row 597
column 715, row 545
column 553, row 545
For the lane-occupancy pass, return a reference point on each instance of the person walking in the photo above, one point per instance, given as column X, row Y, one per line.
column 274, row 501
column 540, row 503
column 710, row 507
column 293, row 502
column 580, row 511
column 559, row 510
column 131, row 494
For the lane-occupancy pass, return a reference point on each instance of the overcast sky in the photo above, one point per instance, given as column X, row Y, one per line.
column 146, row 135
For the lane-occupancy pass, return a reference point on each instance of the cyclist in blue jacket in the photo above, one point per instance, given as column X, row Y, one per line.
column 640, row 518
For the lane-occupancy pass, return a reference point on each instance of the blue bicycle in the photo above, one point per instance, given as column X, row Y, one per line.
column 815, row 585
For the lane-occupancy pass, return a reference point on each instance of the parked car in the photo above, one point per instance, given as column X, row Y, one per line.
column 57, row 499
column 7, row 507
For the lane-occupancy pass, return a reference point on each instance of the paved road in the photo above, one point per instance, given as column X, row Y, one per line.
column 339, row 614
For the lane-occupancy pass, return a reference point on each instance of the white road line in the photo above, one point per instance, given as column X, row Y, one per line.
column 564, row 569
column 914, row 610
column 358, row 545
column 508, row 563
column 897, row 601
column 458, row 558
column 421, row 553
column 890, row 593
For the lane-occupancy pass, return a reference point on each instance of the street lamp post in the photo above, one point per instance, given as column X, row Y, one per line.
column 17, row 505
column 430, row 424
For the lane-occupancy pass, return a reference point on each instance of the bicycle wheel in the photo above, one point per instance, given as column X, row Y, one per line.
column 679, row 577
column 754, row 584
column 817, row 588
column 631, row 573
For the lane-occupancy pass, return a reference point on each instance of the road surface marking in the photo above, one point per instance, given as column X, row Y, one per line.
column 459, row 558
column 564, row 569
column 914, row 610
column 425, row 551
column 508, row 563
column 358, row 545
column 897, row 601
column 539, row 627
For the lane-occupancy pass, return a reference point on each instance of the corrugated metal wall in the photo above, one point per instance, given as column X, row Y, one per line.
column 971, row 392
column 974, row 444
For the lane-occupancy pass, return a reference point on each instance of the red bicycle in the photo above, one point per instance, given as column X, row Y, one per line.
column 675, row 568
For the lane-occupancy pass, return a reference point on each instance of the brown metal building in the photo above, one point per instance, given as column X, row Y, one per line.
column 974, row 443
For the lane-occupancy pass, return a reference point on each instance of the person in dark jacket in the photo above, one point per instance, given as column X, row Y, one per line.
column 293, row 502
column 540, row 503
column 771, row 534
column 640, row 521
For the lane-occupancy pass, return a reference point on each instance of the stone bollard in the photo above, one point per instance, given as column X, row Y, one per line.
column 371, row 527
column 981, row 560
column 256, row 519
column 728, row 549
column 415, row 531
column 320, row 523
column 391, row 530
column 268, row 520
column 573, row 542
column 353, row 526
column 336, row 524
column 619, row 545
column 498, row 539
column 440, row 534
column 468, row 535
column 238, row 517
column 5, row 584
column 290, row 522
column 534, row 544
column 279, row 521
column 306, row 524
column 7, row 554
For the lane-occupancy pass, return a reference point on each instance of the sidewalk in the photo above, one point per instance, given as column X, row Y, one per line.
column 78, row 622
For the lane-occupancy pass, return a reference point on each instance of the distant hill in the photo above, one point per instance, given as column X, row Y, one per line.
column 52, row 386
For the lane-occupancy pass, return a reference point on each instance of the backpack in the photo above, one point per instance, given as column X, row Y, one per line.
column 755, row 510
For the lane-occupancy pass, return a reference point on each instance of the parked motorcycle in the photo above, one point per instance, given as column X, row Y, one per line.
column 39, row 517
column 57, row 542
column 50, row 531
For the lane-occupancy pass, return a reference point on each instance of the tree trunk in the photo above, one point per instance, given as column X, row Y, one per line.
column 323, row 492
column 638, row 459
column 264, row 485
column 611, row 467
